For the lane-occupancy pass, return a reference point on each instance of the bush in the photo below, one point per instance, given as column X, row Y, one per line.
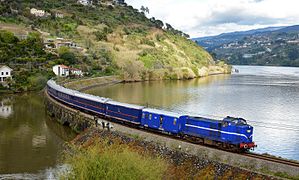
column 116, row 161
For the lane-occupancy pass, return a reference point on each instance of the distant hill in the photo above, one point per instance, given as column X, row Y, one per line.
column 267, row 46
column 211, row 42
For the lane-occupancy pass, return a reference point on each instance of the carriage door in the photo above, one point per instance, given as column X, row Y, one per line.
column 161, row 122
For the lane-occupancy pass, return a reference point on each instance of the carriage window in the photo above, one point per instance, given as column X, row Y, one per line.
column 118, row 110
column 161, row 120
column 150, row 116
column 143, row 115
column 174, row 122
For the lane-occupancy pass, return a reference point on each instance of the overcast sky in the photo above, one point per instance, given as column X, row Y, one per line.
column 211, row 17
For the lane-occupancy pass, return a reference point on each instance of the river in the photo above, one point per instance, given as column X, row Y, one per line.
column 30, row 142
column 268, row 97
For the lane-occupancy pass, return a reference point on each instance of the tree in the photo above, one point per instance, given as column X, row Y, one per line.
column 67, row 55
column 159, row 23
column 144, row 10
column 169, row 27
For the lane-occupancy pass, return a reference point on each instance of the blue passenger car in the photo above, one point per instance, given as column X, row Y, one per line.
column 162, row 120
column 124, row 112
column 90, row 103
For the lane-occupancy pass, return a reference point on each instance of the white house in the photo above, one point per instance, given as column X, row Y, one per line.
column 38, row 13
column 5, row 73
column 61, row 70
column 76, row 72
column 85, row 2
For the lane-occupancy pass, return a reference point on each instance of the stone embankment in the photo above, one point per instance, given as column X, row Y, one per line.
column 201, row 157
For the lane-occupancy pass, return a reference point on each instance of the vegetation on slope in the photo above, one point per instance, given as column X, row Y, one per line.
column 116, row 40
column 25, row 56
column 103, row 160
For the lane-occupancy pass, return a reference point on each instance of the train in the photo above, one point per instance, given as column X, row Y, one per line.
column 230, row 133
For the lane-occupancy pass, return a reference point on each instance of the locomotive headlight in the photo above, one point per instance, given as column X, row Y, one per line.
column 248, row 130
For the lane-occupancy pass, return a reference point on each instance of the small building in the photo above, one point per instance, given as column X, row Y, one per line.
column 59, row 42
column 5, row 73
column 39, row 13
column 85, row 2
column 119, row 2
column 59, row 15
column 65, row 71
column 61, row 70
column 76, row 72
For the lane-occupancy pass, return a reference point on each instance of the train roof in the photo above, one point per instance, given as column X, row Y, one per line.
column 133, row 106
column 205, row 119
column 162, row 112
column 92, row 97
column 53, row 84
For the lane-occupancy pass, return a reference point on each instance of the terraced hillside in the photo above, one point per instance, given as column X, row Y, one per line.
column 113, row 39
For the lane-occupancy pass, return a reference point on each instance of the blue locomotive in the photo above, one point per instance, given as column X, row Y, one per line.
column 230, row 133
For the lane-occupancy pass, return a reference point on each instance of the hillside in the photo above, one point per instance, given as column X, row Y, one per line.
column 269, row 46
column 110, row 39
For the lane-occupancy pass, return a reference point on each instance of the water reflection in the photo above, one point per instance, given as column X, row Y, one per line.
column 267, row 96
column 155, row 93
column 27, row 142
column 5, row 107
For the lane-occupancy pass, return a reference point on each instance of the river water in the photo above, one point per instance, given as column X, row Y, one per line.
column 30, row 142
column 268, row 97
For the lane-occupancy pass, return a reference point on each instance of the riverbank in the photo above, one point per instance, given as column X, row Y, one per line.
column 89, row 83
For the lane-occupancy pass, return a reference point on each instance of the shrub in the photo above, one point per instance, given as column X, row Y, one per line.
column 113, row 161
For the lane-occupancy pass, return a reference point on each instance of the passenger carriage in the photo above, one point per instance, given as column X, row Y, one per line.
column 124, row 112
column 162, row 120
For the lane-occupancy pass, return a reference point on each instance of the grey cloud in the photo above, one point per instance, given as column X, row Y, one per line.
column 240, row 17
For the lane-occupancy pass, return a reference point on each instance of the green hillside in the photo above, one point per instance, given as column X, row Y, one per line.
column 113, row 39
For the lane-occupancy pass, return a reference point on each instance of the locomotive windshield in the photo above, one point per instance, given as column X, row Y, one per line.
column 239, row 122
column 242, row 122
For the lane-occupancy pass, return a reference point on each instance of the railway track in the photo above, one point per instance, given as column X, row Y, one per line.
column 272, row 159
column 247, row 154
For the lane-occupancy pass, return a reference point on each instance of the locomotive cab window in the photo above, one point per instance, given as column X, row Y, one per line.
column 242, row 122
column 224, row 124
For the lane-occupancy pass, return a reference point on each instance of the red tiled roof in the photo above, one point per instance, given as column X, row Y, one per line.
column 64, row 66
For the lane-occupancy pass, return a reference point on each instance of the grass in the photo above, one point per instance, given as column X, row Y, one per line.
column 104, row 160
